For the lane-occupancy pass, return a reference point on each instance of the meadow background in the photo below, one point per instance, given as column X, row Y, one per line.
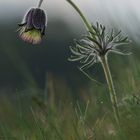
column 45, row 97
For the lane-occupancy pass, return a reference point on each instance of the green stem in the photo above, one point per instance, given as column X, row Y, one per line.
column 112, row 92
column 87, row 24
column 104, row 65
column 39, row 4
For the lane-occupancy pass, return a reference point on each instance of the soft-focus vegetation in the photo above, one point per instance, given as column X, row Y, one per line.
column 44, row 97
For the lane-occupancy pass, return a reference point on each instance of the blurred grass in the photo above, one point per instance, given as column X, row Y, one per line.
column 55, row 101
column 60, row 112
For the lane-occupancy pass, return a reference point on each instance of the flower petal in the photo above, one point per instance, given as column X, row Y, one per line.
column 28, row 19
column 32, row 36
column 39, row 19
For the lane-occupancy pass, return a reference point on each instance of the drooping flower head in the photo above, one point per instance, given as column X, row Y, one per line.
column 32, row 29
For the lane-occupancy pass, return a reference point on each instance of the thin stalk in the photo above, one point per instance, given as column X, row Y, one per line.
column 40, row 3
column 87, row 24
column 110, row 83
column 104, row 65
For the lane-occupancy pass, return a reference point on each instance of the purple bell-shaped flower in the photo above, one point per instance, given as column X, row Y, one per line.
column 32, row 29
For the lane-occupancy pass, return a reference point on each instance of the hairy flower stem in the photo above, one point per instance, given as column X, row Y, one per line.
column 40, row 3
column 87, row 24
column 112, row 92
column 104, row 65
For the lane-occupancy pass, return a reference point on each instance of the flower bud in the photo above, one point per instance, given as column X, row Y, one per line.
column 32, row 29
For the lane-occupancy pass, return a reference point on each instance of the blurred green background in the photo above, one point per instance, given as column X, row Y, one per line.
column 22, row 63
column 37, row 76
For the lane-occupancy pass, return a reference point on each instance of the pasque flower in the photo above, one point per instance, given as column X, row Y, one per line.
column 32, row 28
